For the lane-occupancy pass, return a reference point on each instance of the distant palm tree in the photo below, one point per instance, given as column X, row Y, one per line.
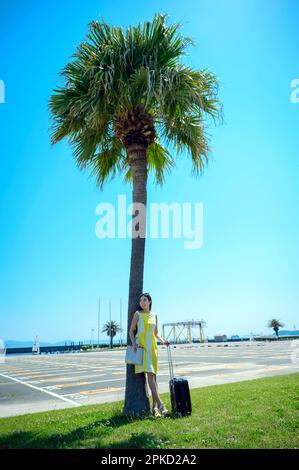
column 275, row 324
column 111, row 328
column 128, row 106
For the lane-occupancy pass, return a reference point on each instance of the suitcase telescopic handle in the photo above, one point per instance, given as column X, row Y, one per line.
column 170, row 362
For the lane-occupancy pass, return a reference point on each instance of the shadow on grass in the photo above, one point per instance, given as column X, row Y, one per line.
column 137, row 440
column 95, row 431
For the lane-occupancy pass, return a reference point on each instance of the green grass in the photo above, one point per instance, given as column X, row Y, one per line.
column 261, row 413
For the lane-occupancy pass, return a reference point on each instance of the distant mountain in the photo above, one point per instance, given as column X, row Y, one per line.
column 288, row 333
column 10, row 343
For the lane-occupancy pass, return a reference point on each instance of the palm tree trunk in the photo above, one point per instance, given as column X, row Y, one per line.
column 136, row 396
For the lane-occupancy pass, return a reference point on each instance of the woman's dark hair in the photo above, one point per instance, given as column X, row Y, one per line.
column 146, row 294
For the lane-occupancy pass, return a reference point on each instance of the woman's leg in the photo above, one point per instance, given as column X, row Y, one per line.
column 152, row 381
column 159, row 399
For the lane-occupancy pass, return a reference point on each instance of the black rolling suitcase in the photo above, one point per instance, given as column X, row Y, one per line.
column 179, row 392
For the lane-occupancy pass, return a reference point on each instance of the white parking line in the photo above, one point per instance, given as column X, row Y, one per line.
column 58, row 375
column 42, row 390
column 61, row 365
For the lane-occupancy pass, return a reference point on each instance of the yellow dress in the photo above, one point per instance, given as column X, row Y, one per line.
column 146, row 337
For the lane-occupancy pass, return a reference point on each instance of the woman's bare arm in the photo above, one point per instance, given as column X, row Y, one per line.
column 132, row 328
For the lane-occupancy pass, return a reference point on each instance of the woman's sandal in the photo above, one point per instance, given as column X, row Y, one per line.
column 163, row 410
column 156, row 412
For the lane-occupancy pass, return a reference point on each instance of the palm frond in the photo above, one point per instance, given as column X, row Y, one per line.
column 160, row 161
column 187, row 134
column 107, row 162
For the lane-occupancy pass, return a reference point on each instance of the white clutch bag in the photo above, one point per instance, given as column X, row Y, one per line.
column 134, row 357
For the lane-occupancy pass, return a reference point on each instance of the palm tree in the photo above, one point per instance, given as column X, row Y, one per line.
column 127, row 106
column 111, row 328
column 275, row 324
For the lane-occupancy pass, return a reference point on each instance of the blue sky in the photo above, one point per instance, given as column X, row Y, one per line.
column 53, row 268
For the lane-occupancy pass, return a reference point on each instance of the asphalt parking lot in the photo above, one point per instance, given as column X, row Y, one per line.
column 30, row 384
